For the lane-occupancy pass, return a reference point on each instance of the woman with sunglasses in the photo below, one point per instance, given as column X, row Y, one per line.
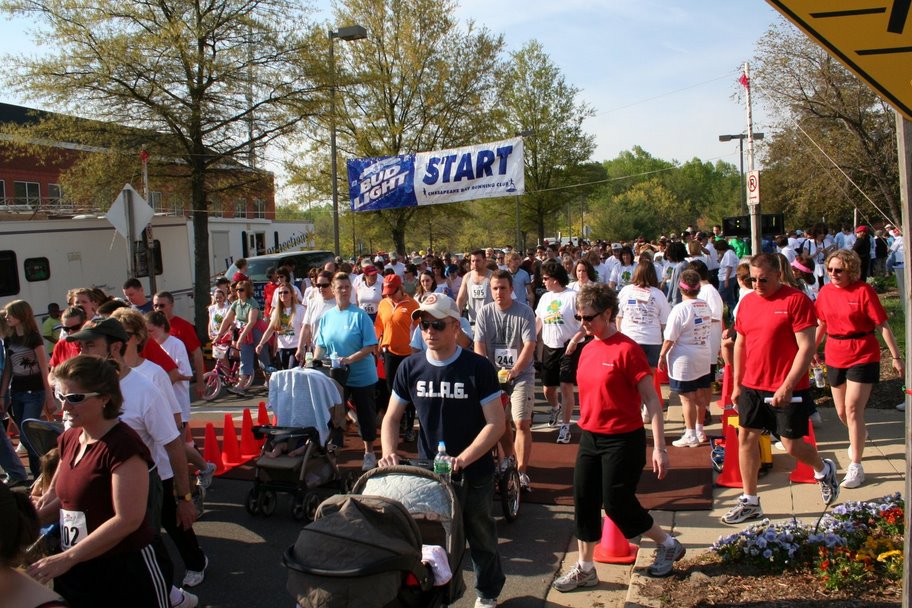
column 686, row 356
column 26, row 371
column 614, row 380
column 321, row 300
column 286, row 322
column 243, row 314
column 850, row 315
column 111, row 555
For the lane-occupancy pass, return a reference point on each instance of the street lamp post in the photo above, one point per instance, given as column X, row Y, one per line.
column 351, row 32
column 741, row 137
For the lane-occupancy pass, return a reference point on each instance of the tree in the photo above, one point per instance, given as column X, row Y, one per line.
column 419, row 82
column 205, row 83
column 812, row 96
column 539, row 102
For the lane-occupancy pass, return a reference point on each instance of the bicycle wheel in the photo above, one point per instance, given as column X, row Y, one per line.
column 212, row 384
column 510, row 491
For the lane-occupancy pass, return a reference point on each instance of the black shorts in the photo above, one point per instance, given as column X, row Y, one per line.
column 789, row 421
column 557, row 367
column 864, row 373
column 689, row 386
column 652, row 353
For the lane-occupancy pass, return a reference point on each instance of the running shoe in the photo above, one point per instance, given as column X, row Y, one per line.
column 576, row 578
column 686, row 441
column 188, row 600
column 665, row 559
column 555, row 415
column 193, row 578
column 563, row 436
column 742, row 511
column 829, row 486
column 854, row 476
column 525, row 484
column 370, row 461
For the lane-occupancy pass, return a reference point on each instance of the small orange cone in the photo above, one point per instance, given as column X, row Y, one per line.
column 262, row 414
column 249, row 445
column 657, row 383
column 231, row 451
column 211, row 452
column 804, row 473
column 728, row 412
column 730, row 477
column 614, row 548
column 725, row 398
column 662, row 376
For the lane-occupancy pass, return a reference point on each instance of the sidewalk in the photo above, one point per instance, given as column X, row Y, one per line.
column 884, row 462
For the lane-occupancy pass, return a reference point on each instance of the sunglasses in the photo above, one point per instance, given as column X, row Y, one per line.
column 835, row 270
column 74, row 398
column 322, row 285
column 763, row 281
column 70, row 328
column 437, row 324
column 241, row 290
column 587, row 318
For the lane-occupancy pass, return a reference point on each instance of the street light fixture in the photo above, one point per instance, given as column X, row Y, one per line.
column 741, row 137
column 351, row 32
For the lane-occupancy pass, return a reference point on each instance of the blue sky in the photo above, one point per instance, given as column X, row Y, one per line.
column 660, row 73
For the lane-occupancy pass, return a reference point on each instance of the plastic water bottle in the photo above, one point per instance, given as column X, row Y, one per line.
column 818, row 377
column 335, row 360
column 442, row 463
column 308, row 358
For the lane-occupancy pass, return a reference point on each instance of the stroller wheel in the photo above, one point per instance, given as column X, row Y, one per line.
column 266, row 503
column 252, row 504
column 510, row 490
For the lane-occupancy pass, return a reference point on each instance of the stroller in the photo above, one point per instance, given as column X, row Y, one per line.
column 308, row 406
column 365, row 550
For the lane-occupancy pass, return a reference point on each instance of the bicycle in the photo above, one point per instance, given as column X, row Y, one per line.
column 226, row 372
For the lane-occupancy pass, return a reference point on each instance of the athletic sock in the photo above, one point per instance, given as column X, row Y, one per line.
column 669, row 541
column 818, row 475
column 751, row 499
column 586, row 566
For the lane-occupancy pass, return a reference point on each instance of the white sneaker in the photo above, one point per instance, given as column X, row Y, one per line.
column 779, row 446
column 484, row 602
column 901, row 407
column 20, row 449
column 701, row 437
column 816, row 420
column 188, row 600
column 370, row 461
column 563, row 436
column 854, row 476
column 686, row 441
column 192, row 578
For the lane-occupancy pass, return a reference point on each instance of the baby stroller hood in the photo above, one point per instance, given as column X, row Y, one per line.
column 355, row 554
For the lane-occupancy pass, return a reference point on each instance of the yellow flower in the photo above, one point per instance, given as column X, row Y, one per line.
column 886, row 556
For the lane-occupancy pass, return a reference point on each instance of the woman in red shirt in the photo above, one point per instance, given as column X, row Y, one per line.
column 849, row 314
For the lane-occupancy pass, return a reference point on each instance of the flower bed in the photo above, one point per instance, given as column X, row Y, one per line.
column 855, row 545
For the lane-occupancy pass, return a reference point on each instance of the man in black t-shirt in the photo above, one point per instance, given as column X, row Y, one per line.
column 457, row 397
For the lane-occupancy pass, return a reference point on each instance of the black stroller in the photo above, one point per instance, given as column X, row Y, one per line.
column 364, row 550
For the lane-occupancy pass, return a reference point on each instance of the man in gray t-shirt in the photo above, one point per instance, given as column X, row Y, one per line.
column 505, row 334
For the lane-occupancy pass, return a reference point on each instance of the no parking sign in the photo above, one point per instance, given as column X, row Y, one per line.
column 753, row 188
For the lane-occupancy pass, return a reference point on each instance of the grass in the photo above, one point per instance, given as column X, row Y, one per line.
column 893, row 306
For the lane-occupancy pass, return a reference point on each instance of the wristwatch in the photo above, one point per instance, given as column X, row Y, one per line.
column 188, row 497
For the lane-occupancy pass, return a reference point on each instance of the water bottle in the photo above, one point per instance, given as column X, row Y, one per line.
column 818, row 377
column 442, row 464
column 335, row 360
column 503, row 375
column 308, row 358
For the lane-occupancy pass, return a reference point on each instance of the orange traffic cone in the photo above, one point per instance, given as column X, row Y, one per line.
column 730, row 477
column 211, row 452
column 250, row 447
column 662, row 376
column 804, row 473
column 614, row 548
column 657, row 383
column 725, row 398
column 231, row 451
column 728, row 412
column 262, row 414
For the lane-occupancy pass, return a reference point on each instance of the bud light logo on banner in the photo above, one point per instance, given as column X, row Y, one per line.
column 446, row 176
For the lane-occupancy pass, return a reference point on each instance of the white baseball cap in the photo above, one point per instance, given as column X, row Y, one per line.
column 439, row 305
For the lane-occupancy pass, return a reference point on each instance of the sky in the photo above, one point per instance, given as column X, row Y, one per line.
column 660, row 74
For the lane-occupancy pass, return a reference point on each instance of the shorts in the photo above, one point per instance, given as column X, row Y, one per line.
column 557, row 367
column 863, row 373
column 689, row 386
column 789, row 421
column 652, row 353
column 522, row 398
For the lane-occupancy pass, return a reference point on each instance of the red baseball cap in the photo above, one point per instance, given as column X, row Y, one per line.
column 391, row 284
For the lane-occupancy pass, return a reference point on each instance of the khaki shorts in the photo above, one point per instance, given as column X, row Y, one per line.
column 522, row 399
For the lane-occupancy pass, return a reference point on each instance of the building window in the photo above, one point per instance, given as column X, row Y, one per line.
column 55, row 195
column 240, row 207
column 9, row 274
column 155, row 201
column 27, row 193
column 259, row 209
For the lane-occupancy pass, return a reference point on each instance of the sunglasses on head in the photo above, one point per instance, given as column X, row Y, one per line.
column 437, row 324
column 762, row 281
column 587, row 318
column 74, row 398
column 835, row 270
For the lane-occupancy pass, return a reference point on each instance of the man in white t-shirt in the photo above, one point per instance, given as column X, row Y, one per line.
column 397, row 266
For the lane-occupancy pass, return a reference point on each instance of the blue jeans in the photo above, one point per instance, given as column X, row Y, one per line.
column 248, row 352
column 477, row 499
column 729, row 295
column 25, row 405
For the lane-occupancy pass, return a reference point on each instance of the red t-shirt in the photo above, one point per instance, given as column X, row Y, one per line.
column 185, row 332
column 608, row 373
column 85, row 488
column 268, row 291
column 157, row 355
column 63, row 351
column 850, row 310
column 768, row 326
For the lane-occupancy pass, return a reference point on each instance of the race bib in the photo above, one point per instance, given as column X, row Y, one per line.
column 369, row 307
column 73, row 528
column 478, row 292
column 505, row 357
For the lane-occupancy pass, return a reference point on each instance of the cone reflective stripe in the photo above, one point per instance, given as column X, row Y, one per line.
column 249, row 445
column 730, row 477
column 727, row 413
column 614, row 548
column 725, row 397
column 262, row 414
column 804, row 473
column 211, row 451
column 231, row 450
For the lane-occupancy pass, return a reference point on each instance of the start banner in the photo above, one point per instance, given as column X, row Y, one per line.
column 430, row 178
